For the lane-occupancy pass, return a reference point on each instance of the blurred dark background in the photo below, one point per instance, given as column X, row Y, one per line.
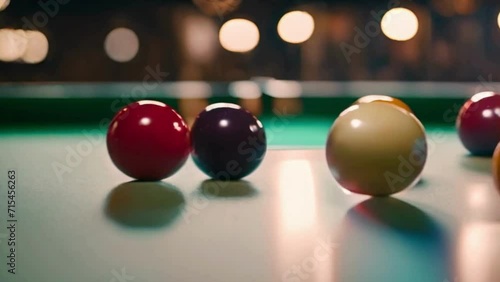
column 456, row 40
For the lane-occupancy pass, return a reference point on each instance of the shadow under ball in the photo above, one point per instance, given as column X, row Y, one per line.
column 228, row 142
column 376, row 149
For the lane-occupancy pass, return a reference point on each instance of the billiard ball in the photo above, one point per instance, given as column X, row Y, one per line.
column 496, row 167
column 478, row 123
column 376, row 149
column 148, row 140
column 227, row 141
column 383, row 99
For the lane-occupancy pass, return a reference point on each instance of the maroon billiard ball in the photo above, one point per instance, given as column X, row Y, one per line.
column 228, row 142
column 148, row 140
column 478, row 123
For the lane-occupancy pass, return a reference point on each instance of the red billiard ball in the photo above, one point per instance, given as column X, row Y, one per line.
column 148, row 140
column 478, row 123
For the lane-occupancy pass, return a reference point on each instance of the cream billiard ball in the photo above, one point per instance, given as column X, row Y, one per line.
column 376, row 149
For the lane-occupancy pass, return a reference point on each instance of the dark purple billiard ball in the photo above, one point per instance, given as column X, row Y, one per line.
column 227, row 141
column 478, row 123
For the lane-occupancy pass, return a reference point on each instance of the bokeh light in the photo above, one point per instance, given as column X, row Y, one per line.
column 399, row 24
column 296, row 27
column 200, row 36
column 12, row 44
column 37, row 47
column 239, row 35
column 498, row 20
column 4, row 4
column 245, row 90
column 121, row 45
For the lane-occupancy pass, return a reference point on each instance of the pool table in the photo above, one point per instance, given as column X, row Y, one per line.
column 67, row 214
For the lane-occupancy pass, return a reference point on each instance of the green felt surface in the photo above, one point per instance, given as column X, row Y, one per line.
column 81, row 110
column 70, row 108
column 284, row 131
column 297, row 131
